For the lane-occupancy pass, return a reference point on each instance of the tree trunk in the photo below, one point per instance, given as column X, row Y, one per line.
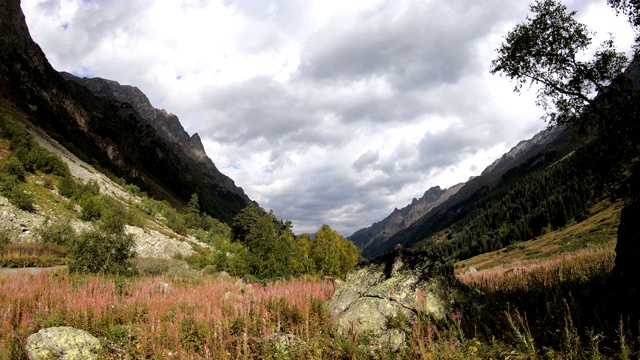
column 627, row 263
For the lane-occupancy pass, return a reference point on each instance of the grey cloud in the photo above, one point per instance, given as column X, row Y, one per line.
column 324, row 191
column 92, row 24
column 366, row 160
column 420, row 45
column 424, row 53
column 445, row 148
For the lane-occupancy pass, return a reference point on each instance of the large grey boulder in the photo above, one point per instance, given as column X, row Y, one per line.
column 400, row 283
column 63, row 343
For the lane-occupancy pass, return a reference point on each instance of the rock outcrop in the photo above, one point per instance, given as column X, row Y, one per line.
column 403, row 283
column 62, row 343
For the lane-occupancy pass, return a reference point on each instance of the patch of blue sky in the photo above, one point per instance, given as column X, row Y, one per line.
column 83, row 72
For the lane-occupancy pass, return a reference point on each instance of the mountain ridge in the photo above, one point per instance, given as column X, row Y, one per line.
column 382, row 236
column 167, row 125
column 105, row 131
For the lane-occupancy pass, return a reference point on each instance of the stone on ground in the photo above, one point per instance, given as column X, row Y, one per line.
column 402, row 283
column 62, row 343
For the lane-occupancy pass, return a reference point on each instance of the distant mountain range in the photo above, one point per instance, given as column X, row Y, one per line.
column 415, row 222
column 110, row 125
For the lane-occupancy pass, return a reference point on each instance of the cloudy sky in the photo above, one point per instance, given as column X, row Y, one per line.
column 326, row 111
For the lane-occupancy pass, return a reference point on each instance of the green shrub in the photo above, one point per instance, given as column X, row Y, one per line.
column 91, row 209
column 22, row 199
column 31, row 155
column 106, row 249
column 67, row 187
column 13, row 167
column 56, row 233
column 4, row 237
column 8, row 183
column 134, row 190
column 193, row 221
column 113, row 219
column 152, row 266
column 48, row 163
column 135, row 217
column 97, row 252
column 91, row 188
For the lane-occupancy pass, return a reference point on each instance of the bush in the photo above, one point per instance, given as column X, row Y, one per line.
column 31, row 155
column 106, row 249
column 8, row 183
column 153, row 266
column 67, row 187
column 13, row 167
column 91, row 209
column 56, row 233
column 91, row 188
column 50, row 163
column 98, row 252
column 37, row 158
column 22, row 199
column 4, row 237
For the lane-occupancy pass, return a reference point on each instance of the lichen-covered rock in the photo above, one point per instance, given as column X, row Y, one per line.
column 64, row 343
column 404, row 282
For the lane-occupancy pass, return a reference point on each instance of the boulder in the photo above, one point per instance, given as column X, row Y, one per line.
column 471, row 270
column 163, row 288
column 64, row 343
column 400, row 283
column 221, row 276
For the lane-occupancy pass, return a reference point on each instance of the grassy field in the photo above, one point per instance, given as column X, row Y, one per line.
column 596, row 231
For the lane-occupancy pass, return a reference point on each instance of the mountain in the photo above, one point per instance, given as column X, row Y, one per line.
column 438, row 208
column 114, row 128
column 166, row 124
column 380, row 232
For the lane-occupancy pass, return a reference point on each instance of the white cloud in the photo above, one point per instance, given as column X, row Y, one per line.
column 324, row 111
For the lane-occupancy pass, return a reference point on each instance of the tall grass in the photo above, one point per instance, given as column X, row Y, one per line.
column 564, row 308
column 208, row 320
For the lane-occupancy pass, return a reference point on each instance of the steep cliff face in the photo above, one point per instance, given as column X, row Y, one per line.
column 166, row 124
column 109, row 132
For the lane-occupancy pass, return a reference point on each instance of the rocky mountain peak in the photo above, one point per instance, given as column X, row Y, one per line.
column 403, row 218
column 540, row 139
column 166, row 124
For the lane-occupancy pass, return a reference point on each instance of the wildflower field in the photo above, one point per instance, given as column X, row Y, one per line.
column 559, row 311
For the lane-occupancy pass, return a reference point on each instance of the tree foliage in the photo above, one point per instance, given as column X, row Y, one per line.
column 106, row 249
column 546, row 51
column 332, row 254
column 274, row 252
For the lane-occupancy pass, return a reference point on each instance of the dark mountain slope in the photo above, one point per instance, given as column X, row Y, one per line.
column 103, row 130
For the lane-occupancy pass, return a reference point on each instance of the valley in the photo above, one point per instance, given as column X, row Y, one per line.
column 115, row 222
